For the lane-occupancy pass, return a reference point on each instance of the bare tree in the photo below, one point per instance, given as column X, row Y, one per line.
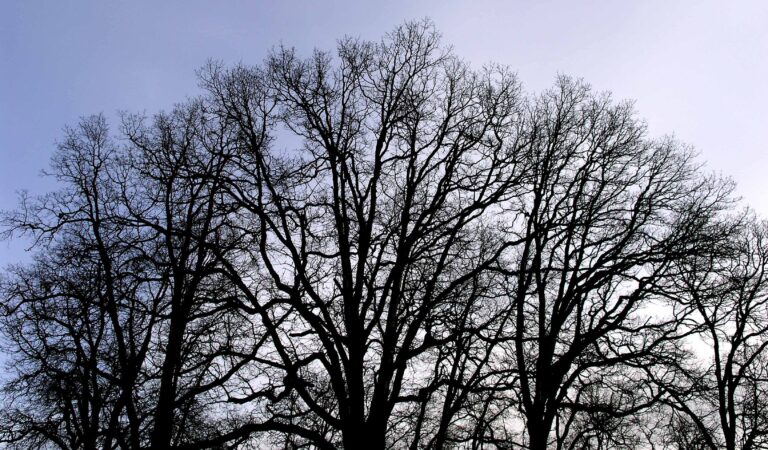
column 606, row 215
column 150, row 332
column 80, row 216
column 379, row 247
column 722, row 393
column 374, row 237
column 64, row 355
column 176, row 194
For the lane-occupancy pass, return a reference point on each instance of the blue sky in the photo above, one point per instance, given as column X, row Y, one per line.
column 697, row 69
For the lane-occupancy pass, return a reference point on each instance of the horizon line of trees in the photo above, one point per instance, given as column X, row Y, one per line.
column 383, row 248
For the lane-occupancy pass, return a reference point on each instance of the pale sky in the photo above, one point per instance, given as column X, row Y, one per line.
column 696, row 69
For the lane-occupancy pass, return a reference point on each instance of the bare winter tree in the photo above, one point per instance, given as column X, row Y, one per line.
column 378, row 247
column 376, row 237
column 94, row 294
column 64, row 356
column 201, row 340
column 605, row 216
column 138, row 323
column 722, row 394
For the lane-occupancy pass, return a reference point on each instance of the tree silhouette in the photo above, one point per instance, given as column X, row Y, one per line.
column 382, row 247
column 721, row 395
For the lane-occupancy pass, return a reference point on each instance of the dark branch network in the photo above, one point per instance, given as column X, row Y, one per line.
column 381, row 247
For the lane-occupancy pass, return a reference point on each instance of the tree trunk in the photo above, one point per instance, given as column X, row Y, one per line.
column 162, row 433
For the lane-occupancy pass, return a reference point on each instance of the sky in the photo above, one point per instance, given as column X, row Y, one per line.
column 696, row 69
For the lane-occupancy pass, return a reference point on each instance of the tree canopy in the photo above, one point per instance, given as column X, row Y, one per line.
column 382, row 247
